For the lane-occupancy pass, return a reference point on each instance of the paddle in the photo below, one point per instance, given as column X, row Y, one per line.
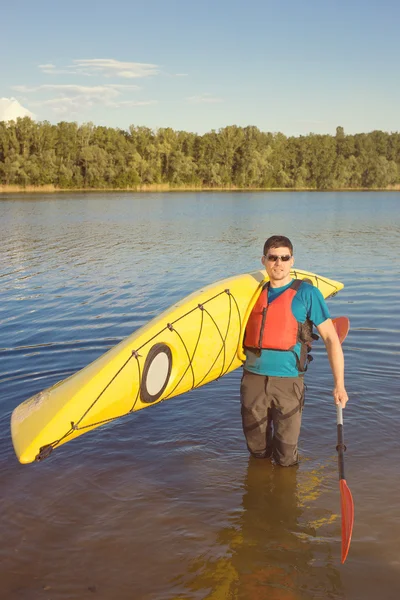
column 346, row 499
column 342, row 326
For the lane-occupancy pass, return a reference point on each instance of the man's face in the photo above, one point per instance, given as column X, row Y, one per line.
column 278, row 270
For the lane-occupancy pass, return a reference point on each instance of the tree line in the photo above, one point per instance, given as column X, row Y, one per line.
column 68, row 155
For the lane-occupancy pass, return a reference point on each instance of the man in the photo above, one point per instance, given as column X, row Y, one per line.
column 276, row 342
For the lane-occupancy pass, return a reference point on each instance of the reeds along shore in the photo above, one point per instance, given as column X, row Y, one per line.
column 165, row 187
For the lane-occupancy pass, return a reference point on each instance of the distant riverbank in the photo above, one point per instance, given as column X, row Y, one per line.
column 72, row 157
column 165, row 187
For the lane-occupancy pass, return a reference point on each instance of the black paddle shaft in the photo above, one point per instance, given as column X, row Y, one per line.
column 341, row 448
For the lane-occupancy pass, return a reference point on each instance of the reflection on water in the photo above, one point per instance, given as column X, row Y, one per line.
column 166, row 504
column 272, row 550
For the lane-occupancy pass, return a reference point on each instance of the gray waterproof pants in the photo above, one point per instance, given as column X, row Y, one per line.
column 271, row 416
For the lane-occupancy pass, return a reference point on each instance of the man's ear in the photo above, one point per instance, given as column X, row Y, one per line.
column 263, row 260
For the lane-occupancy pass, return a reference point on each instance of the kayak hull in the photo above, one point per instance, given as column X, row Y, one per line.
column 194, row 342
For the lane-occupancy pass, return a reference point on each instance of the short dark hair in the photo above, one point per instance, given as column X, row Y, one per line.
column 278, row 241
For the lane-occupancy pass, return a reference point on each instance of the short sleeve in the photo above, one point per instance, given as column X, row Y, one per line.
column 317, row 309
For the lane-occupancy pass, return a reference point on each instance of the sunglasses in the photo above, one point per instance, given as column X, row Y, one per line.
column 275, row 257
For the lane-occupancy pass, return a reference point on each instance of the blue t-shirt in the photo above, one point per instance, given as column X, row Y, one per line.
column 307, row 303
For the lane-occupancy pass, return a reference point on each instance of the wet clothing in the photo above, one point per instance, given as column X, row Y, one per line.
column 271, row 416
column 272, row 388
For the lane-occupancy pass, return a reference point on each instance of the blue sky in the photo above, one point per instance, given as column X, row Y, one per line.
column 295, row 66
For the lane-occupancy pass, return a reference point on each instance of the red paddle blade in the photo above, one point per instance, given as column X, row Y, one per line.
column 347, row 508
column 342, row 326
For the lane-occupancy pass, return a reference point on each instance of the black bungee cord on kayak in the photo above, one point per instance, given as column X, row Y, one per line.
column 317, row 280
column 46, row 450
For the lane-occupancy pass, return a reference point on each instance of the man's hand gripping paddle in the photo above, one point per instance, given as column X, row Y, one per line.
column 342, row 326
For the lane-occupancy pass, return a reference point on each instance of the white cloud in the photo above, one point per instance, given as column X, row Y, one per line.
column 65, row 105
column 107, row 90
column 173, row 75
column 105, row 67
column 108, row 67
column 122, row 86
column 72, row 98
column 51, row 69
column 134, row 103
column 11, row 109
column 204, row 99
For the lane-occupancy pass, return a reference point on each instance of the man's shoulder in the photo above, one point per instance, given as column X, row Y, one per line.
column 309, row 293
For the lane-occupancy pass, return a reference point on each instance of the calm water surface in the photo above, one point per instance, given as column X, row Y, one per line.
column 166, row 504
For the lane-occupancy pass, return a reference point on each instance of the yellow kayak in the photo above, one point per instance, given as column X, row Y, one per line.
column 196, row 341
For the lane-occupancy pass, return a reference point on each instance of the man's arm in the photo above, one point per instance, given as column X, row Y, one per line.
column 336, row 359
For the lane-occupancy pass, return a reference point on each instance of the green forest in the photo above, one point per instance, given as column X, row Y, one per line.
column 72, row 156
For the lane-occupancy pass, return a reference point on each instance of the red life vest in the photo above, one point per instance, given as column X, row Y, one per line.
column 273, row 326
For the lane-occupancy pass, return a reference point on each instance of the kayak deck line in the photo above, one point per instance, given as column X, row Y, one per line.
column 45, row 451
column 195, row 341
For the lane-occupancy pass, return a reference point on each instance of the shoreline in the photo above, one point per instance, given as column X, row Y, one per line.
column 165, row 187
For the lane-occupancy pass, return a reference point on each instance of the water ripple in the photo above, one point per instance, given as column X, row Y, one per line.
column 168, row 497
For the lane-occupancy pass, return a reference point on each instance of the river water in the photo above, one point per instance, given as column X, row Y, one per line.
column 166, row 504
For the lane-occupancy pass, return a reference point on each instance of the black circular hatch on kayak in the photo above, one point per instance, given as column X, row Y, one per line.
column 156, row 373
